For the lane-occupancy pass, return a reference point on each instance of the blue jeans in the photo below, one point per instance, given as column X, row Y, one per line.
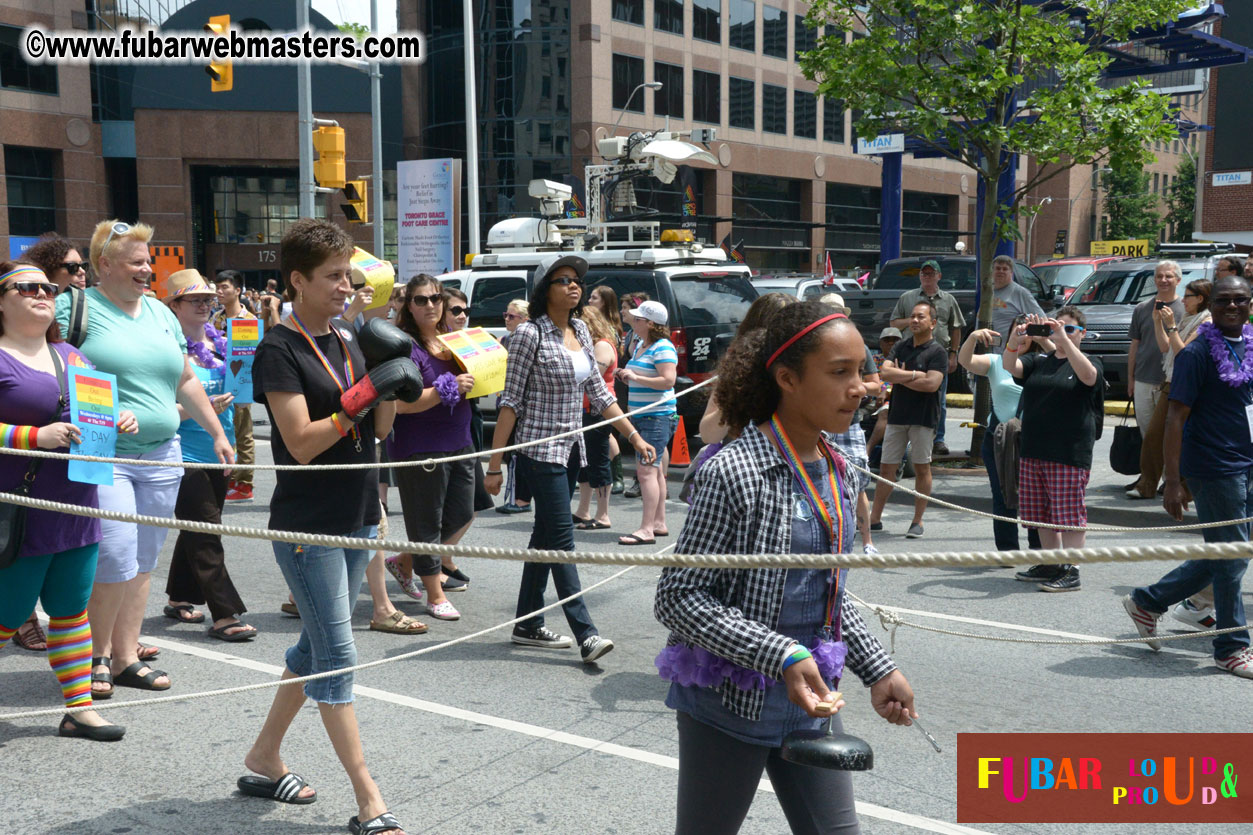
column 552, row 487
column 325, row 583
column 1005, row 533
column 1216, row 499
column 939, row 430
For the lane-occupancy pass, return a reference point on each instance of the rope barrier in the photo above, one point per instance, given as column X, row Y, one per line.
column 968, row 559
column 425, row 463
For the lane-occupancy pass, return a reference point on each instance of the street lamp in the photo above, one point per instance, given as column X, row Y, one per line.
column 1031, row 225
column 652, row 85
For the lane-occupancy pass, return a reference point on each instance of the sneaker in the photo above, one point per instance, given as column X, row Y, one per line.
column 870, row 551
column 411, row 586
column 1238, row 664
column 1040, row 573
column 632, row 492
column 239, row 493
column 594, row 647
column 510, row 507
column 1185, row 612
column 876, row 526
column 1068, row 581
column 1145, row 621
column 939, row 448
column 541, row 636
column 443, row 611
column 914, row 532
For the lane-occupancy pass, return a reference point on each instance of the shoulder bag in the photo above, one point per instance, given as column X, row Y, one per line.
column 1124, row 453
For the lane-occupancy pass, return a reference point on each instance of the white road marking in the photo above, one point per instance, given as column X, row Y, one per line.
column 870, row 810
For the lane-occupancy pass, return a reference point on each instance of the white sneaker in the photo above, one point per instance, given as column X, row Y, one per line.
column 1185, row 612
column 870, row 550
column 1238, row 664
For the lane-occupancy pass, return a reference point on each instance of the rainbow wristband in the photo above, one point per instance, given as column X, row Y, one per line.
column 18, row 437
column 798, row 654
column 343, row 433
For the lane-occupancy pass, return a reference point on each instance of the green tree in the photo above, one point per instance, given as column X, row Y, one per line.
column 980, row 80
column 1130, row 207
column 1181, row 200
column 357, row 30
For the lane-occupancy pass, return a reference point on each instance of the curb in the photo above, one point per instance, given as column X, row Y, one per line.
column 1117, row 408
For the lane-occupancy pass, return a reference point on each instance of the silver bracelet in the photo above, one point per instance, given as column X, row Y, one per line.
column 634, row 432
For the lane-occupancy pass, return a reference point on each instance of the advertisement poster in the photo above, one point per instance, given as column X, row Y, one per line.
column 93, row 409
column 478, row 352
column 428, row 194
column 242, row 338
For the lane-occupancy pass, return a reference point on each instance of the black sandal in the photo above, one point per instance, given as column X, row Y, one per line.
column 105, row 678
column 184, row 613
column 373, row 826
column 286, row 789
column 130, row 677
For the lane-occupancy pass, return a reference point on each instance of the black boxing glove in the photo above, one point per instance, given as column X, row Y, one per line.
column 381, row 341
column 396, row 378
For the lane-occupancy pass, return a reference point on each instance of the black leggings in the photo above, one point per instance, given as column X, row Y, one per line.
column 719, row 775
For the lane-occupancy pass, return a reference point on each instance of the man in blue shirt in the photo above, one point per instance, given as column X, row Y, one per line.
column 1208, row 440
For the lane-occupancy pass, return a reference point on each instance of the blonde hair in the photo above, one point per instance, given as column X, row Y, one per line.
column 520, row 307
column 140, row 232
column 599, row 325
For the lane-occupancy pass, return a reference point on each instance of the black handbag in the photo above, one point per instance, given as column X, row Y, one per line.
column 1124, row 454
column 12, row 516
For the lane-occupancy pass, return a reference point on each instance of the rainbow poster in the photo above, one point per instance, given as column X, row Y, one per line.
column 478, row 352
column 93, row 409
column 242, row 338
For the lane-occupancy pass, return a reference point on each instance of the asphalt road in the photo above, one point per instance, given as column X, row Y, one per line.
column 485, row 737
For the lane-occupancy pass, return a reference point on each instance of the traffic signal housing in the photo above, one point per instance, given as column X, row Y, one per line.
column 221, row 74
column 357, row 208
column 328, row 169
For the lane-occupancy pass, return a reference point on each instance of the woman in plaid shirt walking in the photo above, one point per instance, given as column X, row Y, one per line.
column 753, row 653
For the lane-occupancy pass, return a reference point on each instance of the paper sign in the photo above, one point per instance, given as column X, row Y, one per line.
column 478, row 352
column 242, row 338
column 93, row 409
column 366, row 269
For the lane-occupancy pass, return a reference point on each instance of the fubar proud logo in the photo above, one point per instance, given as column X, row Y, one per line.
column 1103, row 778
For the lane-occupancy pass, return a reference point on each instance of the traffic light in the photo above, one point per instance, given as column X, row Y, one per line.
column 222, row 77
column 357, row 208
column 328, row 169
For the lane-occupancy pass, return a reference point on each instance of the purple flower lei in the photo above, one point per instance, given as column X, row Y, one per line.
column 690, row 666
column 449, row 393
column 1222, row 355
column 204, row 357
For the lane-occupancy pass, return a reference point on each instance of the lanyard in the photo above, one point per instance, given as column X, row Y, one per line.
column 326, row 364
column 834, row 526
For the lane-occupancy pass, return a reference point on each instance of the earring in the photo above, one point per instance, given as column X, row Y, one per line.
column 300, row 297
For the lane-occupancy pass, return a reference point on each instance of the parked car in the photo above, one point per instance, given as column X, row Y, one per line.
column 1063, row 275
column 805, row 286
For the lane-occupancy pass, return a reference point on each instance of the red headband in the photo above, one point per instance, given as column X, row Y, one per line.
column 811, row 326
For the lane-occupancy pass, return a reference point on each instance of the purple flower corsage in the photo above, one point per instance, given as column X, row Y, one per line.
column 449, row 393
column 690, row 666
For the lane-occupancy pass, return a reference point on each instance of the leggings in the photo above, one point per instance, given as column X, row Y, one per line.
column 718, row 778
column 62, row 581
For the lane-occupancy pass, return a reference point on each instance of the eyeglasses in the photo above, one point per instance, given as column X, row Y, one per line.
column 31, row 289
column 423, row 301
column 1190, row 294
column 72, row 267
column 457, row 310
column 567, row 280
column 119, row 228
column 1074, row 328
column 198, row 301
column 1234, row 301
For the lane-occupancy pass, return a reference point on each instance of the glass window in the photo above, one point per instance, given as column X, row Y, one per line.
column 773, row 32
column 254, row 209
column 757, row 196
column 628, row 74
column 29, row 178
column 668, row 16
column 707, row 97
column 743, row 103
column 632, row 11
column 668, row 101
column 806, row 37
column 925, row 211
column 743, row 16
column 903, row 275
column 832, row 120
column 773, row 108
column 491, row 296
column 16, row 74
column 849, row 205
column 718, row 301
column 804, row 114
column 707, row 20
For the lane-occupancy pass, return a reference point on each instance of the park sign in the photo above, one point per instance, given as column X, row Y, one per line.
column 884, row 143
column 1134, row 249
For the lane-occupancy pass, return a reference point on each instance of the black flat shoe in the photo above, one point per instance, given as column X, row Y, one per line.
column 99, row 733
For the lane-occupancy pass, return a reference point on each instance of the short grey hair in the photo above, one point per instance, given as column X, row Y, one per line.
column 1174, row 265
column 1003, row 259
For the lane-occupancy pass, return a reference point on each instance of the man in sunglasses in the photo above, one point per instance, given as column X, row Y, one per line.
column 59, row 260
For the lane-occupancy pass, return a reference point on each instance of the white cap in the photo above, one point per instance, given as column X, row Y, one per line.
column 654, row 312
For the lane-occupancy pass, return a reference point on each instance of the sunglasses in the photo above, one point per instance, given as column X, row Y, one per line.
column 72, row 267
column 511, row 316
column 423, row 301
column 566, row 281
column 1238, row 301
column 119, row 228
column 32, row 289
column 1074, row 328
column 457, row 310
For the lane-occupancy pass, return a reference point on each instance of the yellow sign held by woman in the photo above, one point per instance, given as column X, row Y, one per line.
column 480, row 354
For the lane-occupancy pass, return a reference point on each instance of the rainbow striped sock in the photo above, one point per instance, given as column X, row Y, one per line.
column 5, row 634
column 69, row 654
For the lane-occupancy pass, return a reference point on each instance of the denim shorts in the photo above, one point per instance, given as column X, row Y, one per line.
column 656, row 430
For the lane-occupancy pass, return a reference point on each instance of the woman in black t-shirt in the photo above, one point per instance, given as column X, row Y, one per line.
column 1062, row 404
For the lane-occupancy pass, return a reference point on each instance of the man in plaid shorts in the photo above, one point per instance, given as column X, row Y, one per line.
column 1063, row 400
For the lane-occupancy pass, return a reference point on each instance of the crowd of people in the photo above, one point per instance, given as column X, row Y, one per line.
column 799, row 398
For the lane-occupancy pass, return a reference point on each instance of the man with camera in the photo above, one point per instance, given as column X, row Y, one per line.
column 1146, row 375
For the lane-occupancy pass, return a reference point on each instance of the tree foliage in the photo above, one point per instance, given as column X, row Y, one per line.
column 1130, row 207
column 358, row 30
column 1181, row 200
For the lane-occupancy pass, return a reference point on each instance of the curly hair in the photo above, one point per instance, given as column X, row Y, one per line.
column 49, row 254
column 746, row 391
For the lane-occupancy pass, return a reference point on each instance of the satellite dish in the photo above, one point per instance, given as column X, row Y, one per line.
column 676, row 151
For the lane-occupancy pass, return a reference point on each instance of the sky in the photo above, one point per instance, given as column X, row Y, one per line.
column 358, row 11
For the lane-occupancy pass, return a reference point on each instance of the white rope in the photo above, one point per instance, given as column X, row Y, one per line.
column 970, row 559
column 425, row 463
column 265, row 685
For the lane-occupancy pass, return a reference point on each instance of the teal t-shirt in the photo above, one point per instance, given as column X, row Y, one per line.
column 146, row 353
column 197, row 443
column 1005, row 391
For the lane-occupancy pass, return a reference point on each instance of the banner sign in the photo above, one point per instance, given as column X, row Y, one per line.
column 93, row 409
column 1134, row 248
column 242, row 338
column 428, row 231
column 478, row 352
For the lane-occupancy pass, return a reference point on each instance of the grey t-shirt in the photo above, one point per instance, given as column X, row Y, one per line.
column 1009, row 302
column 948, row 313
column 1149, row 366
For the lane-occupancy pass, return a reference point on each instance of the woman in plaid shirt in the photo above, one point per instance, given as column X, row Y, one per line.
column 752, row 653
column 551, row 366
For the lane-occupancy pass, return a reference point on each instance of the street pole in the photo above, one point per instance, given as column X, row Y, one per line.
column 376, row 132
column 304, row 128
column 472, row 128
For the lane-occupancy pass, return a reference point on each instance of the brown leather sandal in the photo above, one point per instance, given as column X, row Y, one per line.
column 30, row 635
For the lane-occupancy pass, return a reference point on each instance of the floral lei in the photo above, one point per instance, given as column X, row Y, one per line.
column 1222, row 354
column 690, row 666
column 203, row 356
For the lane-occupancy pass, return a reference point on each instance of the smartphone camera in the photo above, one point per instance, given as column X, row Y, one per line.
column 1160, row 305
